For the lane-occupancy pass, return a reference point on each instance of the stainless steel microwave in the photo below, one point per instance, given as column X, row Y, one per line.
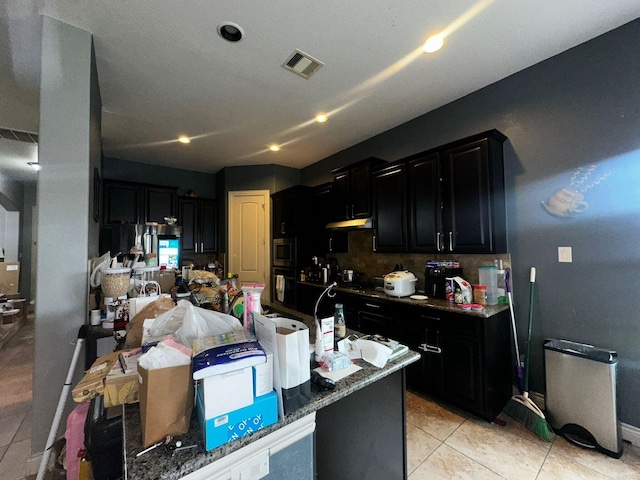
column 284, row 252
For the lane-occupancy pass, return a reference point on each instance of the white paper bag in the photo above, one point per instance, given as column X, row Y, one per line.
column 288, row 340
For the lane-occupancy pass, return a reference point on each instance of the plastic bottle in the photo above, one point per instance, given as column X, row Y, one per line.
column 488, row 276
column 339, row 325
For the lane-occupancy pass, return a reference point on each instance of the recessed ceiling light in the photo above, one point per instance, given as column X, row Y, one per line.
column 274, row 148
column 321, row 118
column 230, row 31
column 433, row 43
column 184, row 139
column 35, row 165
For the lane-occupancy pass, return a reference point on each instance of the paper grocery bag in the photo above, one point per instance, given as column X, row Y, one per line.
column 288, row 340
column 166, row 401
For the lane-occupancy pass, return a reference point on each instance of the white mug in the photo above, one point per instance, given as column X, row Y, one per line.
column 95, row 317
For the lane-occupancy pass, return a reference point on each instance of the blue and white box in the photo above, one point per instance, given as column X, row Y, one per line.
column 239, row 423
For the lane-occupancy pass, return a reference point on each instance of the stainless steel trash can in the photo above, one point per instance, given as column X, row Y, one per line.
column 581, row 402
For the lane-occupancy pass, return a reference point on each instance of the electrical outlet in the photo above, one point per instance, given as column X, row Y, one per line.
column 564, row 255
column 253, row 469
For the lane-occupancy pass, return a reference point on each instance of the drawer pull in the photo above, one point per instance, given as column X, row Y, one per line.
column 430, row 348
column 371, row 305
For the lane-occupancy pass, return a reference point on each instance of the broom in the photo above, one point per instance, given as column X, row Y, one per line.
column 520, row 407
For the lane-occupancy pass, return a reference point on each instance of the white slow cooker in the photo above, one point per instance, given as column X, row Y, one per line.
column 400, row 284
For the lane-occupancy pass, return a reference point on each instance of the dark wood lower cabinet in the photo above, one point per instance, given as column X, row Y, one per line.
column 466, row 359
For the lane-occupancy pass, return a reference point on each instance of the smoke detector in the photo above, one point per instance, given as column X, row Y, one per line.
column 302, row 64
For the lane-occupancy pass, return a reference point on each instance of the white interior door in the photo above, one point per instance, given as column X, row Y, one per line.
column 249, row 233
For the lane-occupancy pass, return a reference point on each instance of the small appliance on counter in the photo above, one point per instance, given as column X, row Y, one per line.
column 400, row 284
column 435, row 275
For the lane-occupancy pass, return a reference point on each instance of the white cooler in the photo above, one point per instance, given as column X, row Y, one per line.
column 580, row 401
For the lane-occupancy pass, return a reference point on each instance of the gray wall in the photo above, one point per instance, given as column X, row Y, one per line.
column 67, row 237
column 203, row 184
column 578, row 110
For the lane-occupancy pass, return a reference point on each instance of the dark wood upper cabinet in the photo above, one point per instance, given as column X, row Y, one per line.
column 352, row 190
column 290, row 212
column 456, row 199
column 390, row 208
column 323, row 240
column 199, row 220
column 159, row 203
column 474, row 217
column 129, row 202
column 423, row 189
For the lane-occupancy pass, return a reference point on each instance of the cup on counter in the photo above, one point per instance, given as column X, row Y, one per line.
column 96, row 317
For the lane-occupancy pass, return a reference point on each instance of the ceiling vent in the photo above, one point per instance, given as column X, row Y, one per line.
column 19, row 136
column 302, row 64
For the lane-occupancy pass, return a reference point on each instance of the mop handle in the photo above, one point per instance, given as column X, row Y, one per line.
column 532, row 283
column 507, row 284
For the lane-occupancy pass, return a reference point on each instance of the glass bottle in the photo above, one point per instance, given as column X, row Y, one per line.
column 339, row 325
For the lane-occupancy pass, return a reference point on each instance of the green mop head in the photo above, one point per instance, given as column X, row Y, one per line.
column 522, row 409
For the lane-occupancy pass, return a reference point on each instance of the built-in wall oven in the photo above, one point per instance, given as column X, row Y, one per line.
column 283, row 286
column 284, row 252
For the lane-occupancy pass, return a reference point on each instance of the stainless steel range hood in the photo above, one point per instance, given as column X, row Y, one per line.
column 357, row 224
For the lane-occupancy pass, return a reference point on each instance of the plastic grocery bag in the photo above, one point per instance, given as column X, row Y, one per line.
column 188, row 322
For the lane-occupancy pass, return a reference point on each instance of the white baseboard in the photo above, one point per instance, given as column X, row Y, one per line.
column 629, row 433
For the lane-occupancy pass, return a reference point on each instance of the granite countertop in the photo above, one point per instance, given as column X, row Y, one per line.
column 438, row 304
column 158, row 464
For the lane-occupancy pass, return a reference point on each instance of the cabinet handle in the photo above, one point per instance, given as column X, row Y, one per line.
column 439, row 243
column 195, row 247
column 430, row 348
column 371, row 305
column 374, row 243
column 426, row 317
column 331, row 244
column 451, row 241
column 202, row 247
column 282, row 228
column 353, row 211
column 346, row 211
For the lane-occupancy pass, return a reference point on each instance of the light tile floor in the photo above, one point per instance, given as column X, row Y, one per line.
column 446, row 443
column 16, row 373
column 443, row 442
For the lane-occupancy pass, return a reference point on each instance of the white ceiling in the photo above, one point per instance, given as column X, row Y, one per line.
column 164, row 70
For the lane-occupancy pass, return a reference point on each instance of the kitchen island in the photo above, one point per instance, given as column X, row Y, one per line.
column 359, row 431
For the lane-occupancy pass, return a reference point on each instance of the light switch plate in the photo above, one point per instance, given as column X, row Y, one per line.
column 565, row 255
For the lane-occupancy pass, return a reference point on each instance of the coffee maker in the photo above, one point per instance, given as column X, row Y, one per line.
column 435, row 276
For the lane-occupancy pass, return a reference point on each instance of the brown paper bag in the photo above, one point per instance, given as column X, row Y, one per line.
column 166, row 401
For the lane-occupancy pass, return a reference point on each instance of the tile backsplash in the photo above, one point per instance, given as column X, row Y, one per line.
column 369, row 264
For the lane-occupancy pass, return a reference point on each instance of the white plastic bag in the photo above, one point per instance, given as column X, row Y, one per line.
column 188, row 322
column 169, row 322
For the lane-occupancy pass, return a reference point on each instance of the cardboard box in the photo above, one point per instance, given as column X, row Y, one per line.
column 9, row 277
column 227, row 391
column 105, row 377
column 239, row 423
column 263, row 376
